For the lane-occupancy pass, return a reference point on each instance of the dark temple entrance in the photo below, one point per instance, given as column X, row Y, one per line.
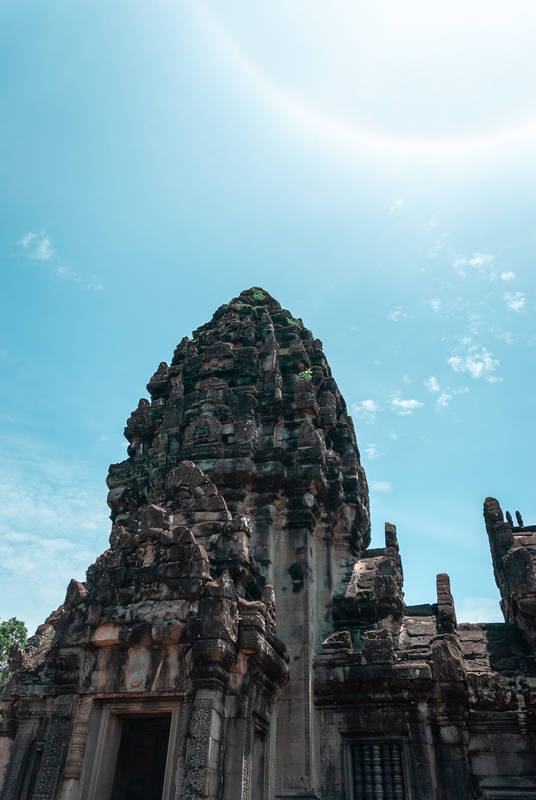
column 141, row 760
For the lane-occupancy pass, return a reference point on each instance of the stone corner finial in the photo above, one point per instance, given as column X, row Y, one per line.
column 446, row 613
column 391, row 538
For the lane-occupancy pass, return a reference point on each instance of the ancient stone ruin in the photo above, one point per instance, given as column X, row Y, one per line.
column 239, row 640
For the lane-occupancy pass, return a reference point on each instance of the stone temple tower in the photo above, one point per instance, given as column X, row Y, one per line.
column 239, row 640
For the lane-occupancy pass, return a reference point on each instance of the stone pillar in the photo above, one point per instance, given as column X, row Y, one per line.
column 237, row 755
column 26, row 730
column 294, row 759
column 77, row 749
column 422, row 753
column 215, row 628
column 56, row 745
column 204, row 746
column 449, row 713
column 451, row 749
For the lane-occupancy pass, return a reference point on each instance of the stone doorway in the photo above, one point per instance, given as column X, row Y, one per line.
column 141, row 758
column 132, row 749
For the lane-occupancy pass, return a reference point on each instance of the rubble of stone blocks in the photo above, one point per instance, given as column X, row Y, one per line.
column 241, row 622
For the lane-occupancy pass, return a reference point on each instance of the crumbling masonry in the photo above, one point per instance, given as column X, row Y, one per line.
column 239, row 640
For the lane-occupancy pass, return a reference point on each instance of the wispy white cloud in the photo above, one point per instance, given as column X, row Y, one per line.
column 366, row 409
column 397, row 205
column 94, row 284
column 54, row 523
column 432, row 384
column 380, row 486
column 66, row 274
column 443, row 401
column 445, row 395
column 435, row 302
column 371, row 451
column 459, row 265
column 478, row 609
column 504, row 336
column 405, row 408
column 477, row 361
column 483, row 264
column 480, row 260
column 430, row 224
column 90, row 282
column 397, row 314
column 438, row 245
column 515, row 301
column 37, row 245
column 476, row 322
column 507, row 276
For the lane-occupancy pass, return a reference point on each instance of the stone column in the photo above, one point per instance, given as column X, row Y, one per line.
column 449, row 710
column 27, row 728
column 215, row 630
column 451, row 751
column 203, row 775
column 238, row 752
column 77, row 749
column 56, row 745
column 295, row 769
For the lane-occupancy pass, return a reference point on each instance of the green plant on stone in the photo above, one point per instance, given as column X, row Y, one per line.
column 306, row 375
column 295, row 322
column 258, row 295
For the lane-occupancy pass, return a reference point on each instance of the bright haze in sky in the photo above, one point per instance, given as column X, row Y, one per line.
column 371, row 165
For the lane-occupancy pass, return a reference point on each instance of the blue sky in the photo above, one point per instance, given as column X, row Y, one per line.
column 371, row 165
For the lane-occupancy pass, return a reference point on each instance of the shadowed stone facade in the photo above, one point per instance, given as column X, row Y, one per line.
column 239, row 640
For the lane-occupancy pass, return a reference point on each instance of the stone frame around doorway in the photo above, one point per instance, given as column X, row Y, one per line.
column 259, row 758
column 104, row 737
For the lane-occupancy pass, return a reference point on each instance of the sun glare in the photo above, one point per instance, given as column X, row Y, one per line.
column 409, row 81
